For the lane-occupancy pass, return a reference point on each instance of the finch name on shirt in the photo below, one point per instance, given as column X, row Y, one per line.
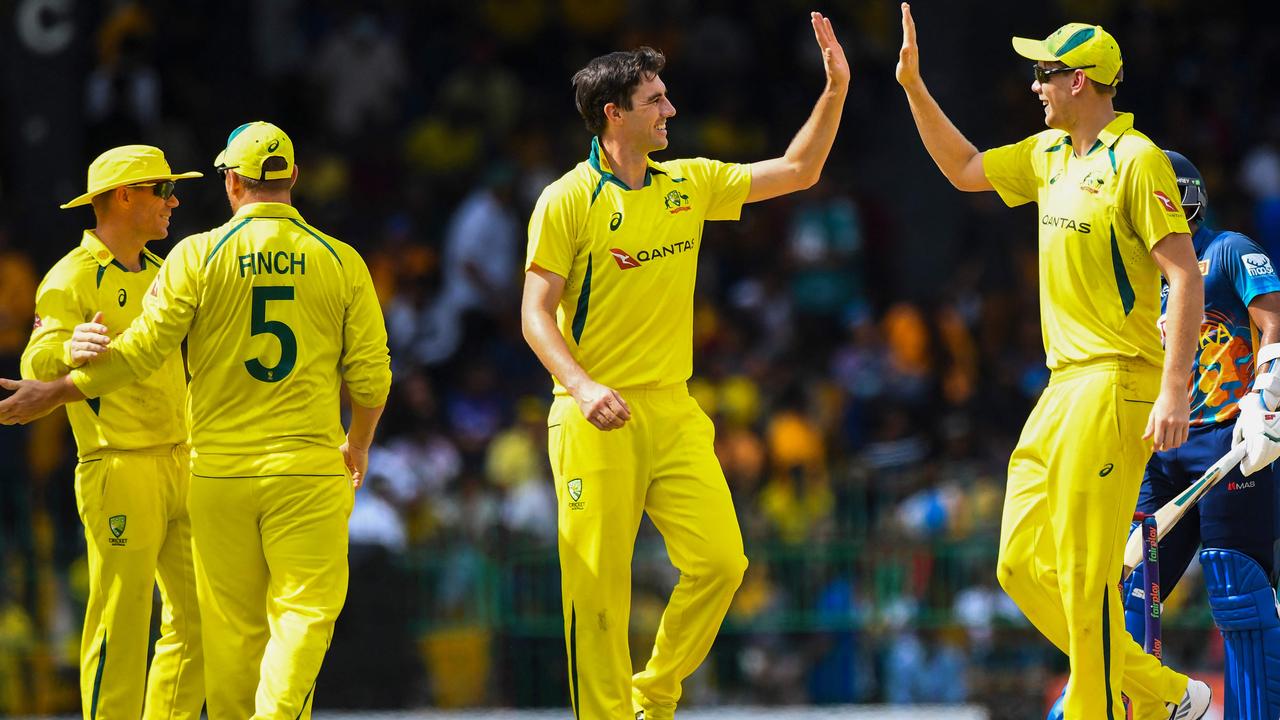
column 273, row 263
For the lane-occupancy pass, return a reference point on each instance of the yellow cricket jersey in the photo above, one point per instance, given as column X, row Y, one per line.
column 630, row 258
column 146, row 413
column 276, row 316
column 1100, row 216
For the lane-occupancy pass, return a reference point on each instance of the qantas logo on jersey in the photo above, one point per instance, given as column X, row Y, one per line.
column 1083, row 228
column 626, row 261
column 37, row 324
column 1165, row 201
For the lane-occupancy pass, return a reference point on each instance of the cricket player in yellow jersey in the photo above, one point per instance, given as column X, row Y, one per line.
column 608, row 309
column 277, row 315
column 1110, row 224
column 132, row 478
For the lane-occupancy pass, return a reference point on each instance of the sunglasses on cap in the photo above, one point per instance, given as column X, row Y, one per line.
column 163, row 190
column 1042, row 74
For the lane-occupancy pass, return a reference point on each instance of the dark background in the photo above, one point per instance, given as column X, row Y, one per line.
column 868, row 348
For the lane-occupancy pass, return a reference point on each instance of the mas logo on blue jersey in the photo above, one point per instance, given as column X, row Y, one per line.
column 1257, row 264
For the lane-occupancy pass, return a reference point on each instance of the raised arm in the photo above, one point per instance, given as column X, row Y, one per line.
column 955, row 156
column 801, row 166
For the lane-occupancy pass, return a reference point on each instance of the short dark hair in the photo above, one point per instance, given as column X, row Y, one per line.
column 611, row 79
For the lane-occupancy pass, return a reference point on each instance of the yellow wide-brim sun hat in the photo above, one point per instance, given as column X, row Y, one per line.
column 127, row 165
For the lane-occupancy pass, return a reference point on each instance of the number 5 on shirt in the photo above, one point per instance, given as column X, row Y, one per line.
column 259, row 324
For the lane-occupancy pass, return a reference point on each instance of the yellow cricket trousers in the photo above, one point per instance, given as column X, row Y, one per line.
column 134, row 508
column 271, row 572
column 1073, row 485
column 661, row 462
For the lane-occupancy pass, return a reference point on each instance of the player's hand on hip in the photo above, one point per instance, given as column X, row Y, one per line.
column 908, row 70
column 31, row 399
column 602, row 406
column 357, row 460
column 1169, row 420
column 833, row 59
column 89, row 340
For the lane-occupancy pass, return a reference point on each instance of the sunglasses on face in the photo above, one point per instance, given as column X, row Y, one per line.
column 163, row 190
column 1042, row 74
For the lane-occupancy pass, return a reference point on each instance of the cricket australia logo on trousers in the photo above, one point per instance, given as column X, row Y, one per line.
column 116, row 524
column 574, row 487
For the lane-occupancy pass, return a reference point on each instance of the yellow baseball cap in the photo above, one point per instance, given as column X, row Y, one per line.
column 1088, row 47
column 257, row 150
column 126, row 165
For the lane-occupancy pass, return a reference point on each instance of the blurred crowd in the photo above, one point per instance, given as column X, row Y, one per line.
column 868, row 349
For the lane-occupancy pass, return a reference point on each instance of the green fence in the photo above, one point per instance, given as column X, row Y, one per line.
column 518, row 591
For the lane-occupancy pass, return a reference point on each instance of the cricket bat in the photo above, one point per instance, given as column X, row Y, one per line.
column 1172, row 512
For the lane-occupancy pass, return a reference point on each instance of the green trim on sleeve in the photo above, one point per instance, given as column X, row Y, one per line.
column 95, row 404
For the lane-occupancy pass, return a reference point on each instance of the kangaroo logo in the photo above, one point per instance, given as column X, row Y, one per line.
column 624, row 259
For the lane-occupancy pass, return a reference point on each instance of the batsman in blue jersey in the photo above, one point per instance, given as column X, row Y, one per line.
column 1233, row 393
